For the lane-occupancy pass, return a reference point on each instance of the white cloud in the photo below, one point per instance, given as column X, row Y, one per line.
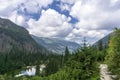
column 17, row 18
column 91, row 16
column 34, row 6
column 64, row 7
column 113, row 2
column 44, row 3
column 8, row 6
column 15, row 9
column 69, row 1
column 31, row 6
column 50, row 24
column 95, row 20
column 77, row 35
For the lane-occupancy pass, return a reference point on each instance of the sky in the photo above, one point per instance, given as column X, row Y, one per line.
column 66, row 19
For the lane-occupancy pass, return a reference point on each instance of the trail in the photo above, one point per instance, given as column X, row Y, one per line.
column 104, row 74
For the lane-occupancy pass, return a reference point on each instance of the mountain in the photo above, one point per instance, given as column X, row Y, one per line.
column 15, row 37
column 104, row 41
column 56, row 45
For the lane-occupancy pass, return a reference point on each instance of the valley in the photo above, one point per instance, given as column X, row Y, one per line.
column 24, row 56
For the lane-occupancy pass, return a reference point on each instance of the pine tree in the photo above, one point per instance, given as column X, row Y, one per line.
column 82, row 64
column 37, row 69
column 84, row 42
column 113, row 57
column 100, row 45
column 52, row 67
column 67, row 53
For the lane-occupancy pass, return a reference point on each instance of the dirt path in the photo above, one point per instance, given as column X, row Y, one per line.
column 104, row 74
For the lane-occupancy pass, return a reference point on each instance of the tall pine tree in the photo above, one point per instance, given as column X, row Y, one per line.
column 67, row 53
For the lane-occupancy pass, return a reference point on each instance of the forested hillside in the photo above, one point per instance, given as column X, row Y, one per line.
column 104, row 42
column 14, row 36
column 113, row 57
column 17, row 48
column 81, row 65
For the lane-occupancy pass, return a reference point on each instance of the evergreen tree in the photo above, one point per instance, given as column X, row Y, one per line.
column 51, row 67
column 37, row 70
column 100, row 45
column 84, row 42
column 67, row 53
column 113, row 57
column 82, row 64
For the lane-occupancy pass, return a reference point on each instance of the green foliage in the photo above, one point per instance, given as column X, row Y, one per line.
column 81, row 65
column 37, row 69
column 15, row 60
column 100, row 45
column 67, row 54
column 101, row 55
column 52, row 67
column 113, row 57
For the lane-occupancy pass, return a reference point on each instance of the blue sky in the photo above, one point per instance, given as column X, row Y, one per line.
column 66, row 19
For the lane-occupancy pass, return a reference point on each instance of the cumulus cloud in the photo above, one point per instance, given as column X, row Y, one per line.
column 34, row 6
column 8, row 6
column 44, row 3
column 50, row 24
column 29, row 5
column 78, row 35
column 93, row 16
column 69, row 1
column 64, row 7
column 16, row 10
column 18, row 19
column 96, row 18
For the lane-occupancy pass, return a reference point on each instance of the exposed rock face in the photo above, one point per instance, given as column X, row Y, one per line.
column 55, row 44
column 13, row 36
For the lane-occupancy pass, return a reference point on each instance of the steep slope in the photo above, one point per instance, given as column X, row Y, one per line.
column 56, row 45
column 104, row 41
column 13, row 36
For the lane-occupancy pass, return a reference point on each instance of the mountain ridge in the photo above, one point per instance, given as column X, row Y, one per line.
column 14, row 36
column 56, row 45
column 104, row 42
